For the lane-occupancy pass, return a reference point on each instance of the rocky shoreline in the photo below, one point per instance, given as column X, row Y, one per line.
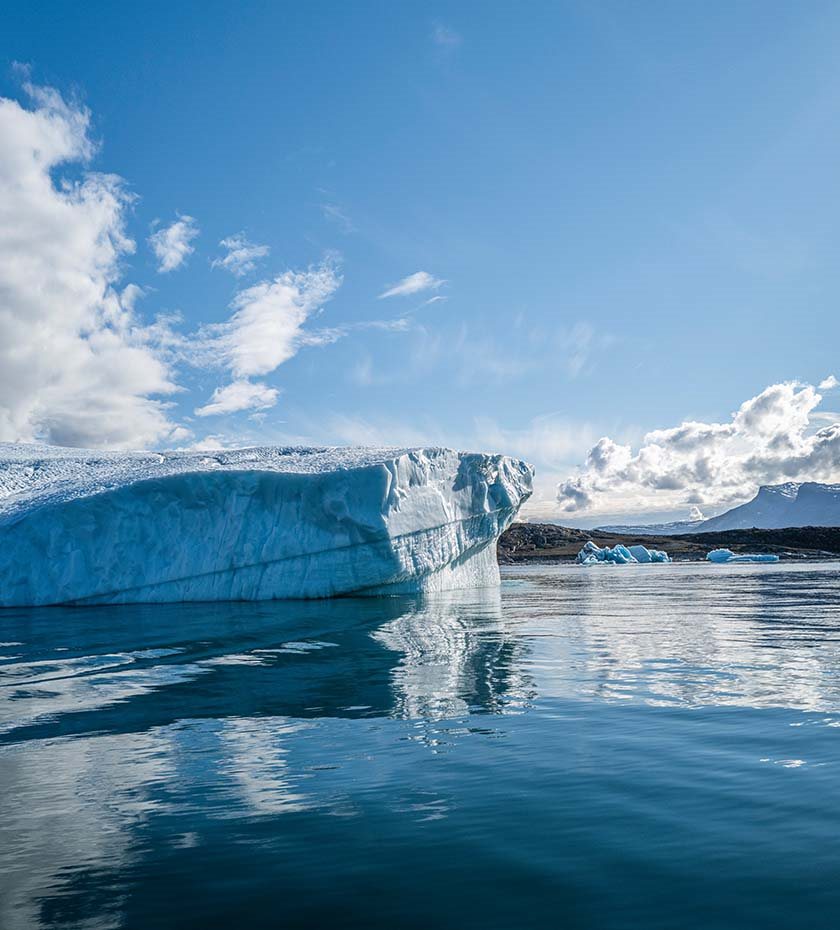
column 547, row 542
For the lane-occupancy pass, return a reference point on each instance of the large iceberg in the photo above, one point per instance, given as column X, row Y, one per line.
column 82, row 527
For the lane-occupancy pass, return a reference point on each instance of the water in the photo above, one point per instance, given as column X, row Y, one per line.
column 638, row 746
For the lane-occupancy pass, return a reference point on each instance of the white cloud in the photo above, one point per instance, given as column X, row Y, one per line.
column 829, row 383
column 77, row 367
column 771, row 438
column 413, row 284
column 266, row 327
column 239, row 395
column 265, row 330
column 171, row 244
column 242, row 255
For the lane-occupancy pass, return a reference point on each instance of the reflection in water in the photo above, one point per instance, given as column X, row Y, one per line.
column 458, row 654
column 149, row 749
column 694, row 635
column 99, row 742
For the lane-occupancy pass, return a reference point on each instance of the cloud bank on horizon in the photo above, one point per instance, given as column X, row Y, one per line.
column 772, row 438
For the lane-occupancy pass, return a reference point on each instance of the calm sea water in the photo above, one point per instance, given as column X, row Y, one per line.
column 637, row 746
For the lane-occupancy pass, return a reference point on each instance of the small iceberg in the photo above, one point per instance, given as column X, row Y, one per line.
column 643, row 554
column 619, row 554
column 721, row 556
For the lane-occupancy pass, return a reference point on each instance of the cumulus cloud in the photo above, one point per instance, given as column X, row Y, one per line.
column 77, row 367
column 239, row 395
column 241, row 256
column 78, row 364
column 172, row 244
column 829, row 383
column 413, row 284
column 770, row 438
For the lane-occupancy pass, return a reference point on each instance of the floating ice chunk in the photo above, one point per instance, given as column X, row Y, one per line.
column 592, row 554
column 727, row 555
column 620, row 554
column 643, row 554
column 249, row 524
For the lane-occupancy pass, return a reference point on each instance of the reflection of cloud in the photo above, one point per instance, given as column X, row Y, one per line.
column 70, row 805
column 740, row 639
column 255, row 759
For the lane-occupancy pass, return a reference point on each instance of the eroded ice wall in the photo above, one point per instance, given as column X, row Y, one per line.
column 251, row 524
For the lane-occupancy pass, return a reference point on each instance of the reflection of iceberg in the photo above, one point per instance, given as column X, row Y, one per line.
column 253, row 524
column 458, row 654
column 132, row 732
column 591, row 554
column 721, row 556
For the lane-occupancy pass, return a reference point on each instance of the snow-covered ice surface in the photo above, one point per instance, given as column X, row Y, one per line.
column 721, row 556
column 78, row 526
column 592, row 554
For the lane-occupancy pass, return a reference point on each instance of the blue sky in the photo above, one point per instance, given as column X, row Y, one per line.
column 628, row 210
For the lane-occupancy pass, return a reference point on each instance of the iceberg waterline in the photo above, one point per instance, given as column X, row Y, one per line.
column 251, row 524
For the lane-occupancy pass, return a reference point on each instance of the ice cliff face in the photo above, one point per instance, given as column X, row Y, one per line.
column 251, row 524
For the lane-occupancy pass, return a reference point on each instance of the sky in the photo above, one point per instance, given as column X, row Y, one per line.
column 599, row 236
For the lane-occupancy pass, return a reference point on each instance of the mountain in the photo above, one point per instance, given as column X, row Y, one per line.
column 677, row 528
column 776, row 506
column 782, row 505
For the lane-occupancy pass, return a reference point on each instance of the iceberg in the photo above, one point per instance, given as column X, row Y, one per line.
column 721, row 556
column 643, row 554
column 591, row 554
column 84, row 527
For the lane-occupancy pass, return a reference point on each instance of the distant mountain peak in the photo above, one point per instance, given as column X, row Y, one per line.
column 775, row 506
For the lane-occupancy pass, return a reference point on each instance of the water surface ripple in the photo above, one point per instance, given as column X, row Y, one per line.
column 614, row 747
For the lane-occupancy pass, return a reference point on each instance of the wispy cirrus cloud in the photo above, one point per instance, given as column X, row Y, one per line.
column 413, row 284
column 172, row 244
column 241, row 255
column 338, row 216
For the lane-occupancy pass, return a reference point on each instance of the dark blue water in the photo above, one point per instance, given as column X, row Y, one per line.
column 641, row 746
